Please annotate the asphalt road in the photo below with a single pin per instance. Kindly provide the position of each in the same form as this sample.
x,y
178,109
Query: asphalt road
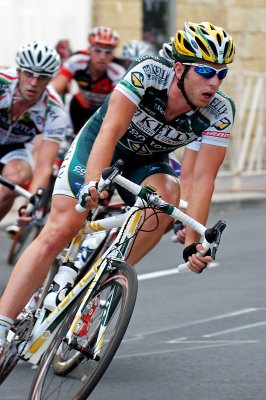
x,y
191,337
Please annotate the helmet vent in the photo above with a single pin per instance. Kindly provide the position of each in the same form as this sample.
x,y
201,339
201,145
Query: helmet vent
x,y
225,34
226,49
188,46
204,31
39,57
30,57
219,39
201,45
214,50
231,52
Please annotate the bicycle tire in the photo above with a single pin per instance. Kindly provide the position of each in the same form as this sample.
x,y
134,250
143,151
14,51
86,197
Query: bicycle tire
x,y
60,370
28,233
23,326
11,354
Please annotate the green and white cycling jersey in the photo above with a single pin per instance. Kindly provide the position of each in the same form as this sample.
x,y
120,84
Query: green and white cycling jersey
x,y
146,144
46,117
146,84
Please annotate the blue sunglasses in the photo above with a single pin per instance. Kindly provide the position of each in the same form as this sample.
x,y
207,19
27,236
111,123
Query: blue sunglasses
x,y
209,72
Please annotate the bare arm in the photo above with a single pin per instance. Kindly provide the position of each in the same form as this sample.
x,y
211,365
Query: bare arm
x,y
198,173
47,152
118,117
61,84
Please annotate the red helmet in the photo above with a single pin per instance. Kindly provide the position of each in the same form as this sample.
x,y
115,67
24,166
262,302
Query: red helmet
x,y
103,36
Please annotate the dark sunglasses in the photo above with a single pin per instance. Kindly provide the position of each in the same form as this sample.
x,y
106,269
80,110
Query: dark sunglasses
x,y
209,72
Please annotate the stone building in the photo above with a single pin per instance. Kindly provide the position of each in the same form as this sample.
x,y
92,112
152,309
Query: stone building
x,y
157,20
243,19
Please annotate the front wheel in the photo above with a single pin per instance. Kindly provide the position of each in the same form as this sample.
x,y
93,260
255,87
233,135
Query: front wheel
x,y
71,371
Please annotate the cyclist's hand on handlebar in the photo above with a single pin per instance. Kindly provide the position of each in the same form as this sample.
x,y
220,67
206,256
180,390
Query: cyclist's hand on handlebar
x,y
180,232
89,196
195,255
23,217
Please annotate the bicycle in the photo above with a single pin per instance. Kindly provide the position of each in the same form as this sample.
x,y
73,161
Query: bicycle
x,y
85,330
37,208
26,234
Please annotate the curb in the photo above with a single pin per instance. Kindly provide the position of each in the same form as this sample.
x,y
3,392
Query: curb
x,y
238,198
219,199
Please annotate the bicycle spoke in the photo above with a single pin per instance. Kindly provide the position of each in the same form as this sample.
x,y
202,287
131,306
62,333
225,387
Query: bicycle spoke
x,y
69,370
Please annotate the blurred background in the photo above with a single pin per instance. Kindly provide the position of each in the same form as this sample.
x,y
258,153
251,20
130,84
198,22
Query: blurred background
x,y
156,21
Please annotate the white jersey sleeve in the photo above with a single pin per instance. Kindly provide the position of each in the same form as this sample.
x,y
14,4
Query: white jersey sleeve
x,y
222,109
146,72
56,120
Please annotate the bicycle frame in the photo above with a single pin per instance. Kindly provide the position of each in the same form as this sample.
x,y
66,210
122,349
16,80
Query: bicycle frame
x,y
16,188
34,199
45,329
44,332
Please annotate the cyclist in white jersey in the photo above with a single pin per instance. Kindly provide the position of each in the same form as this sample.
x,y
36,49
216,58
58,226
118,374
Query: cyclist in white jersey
x,y
29,108
134,49
156,108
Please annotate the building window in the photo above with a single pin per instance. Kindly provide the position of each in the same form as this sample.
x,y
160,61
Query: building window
x,y
155,21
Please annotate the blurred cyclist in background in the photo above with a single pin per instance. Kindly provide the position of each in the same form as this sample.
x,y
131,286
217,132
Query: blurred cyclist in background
x,y
95,73
166,50
63,48
134,49
28,108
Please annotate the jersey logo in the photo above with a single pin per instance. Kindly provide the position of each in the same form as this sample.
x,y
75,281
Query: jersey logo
x,y
138,147
222,125
137,79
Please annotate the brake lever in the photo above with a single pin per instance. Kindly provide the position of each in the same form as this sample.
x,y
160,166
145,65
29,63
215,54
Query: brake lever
x,y
213,235
109,174
35,201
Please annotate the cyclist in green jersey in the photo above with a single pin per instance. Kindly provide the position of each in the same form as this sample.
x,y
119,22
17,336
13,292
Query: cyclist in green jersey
x,y
157,107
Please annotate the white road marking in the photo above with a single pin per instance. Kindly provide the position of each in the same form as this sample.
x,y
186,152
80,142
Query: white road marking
x,y
166,272
210,344
191,323
184,340
236,329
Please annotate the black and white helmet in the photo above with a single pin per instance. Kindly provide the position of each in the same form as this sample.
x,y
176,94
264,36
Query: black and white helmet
x,y
38,57
136,48
166,51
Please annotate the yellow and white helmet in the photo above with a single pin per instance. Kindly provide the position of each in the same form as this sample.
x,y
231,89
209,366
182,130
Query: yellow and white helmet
x,y
203,41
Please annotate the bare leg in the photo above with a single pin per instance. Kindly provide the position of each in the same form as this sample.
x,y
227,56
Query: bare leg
x,y
168,187
18,172
33,266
